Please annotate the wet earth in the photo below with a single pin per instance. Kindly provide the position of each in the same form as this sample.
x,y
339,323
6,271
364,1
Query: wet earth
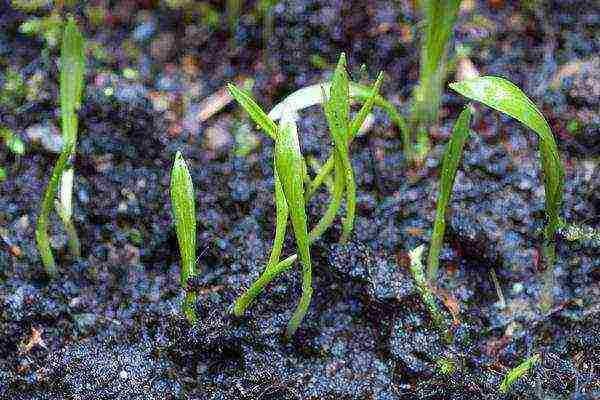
x,y
110,327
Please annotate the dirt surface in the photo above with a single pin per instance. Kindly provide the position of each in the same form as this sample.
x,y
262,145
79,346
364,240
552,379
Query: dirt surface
x,y
110,326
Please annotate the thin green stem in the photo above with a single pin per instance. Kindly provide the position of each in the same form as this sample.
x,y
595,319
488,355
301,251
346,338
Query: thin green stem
x,y
256,288
41,230
450,163
426,293
348,222
320,178
304,300
334,203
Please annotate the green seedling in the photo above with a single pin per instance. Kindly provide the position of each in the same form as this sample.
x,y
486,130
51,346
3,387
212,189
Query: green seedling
x,y
504,96
426,292
440,17
518,372
450,162
3,174
289,163
289,201
337,111
71,87
184,216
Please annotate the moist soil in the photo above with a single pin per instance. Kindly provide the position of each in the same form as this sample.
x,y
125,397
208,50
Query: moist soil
x,y
110,327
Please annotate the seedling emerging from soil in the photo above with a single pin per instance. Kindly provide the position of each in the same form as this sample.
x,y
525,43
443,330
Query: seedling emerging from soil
x,y
342,130
506,97
450,162
518,372
426,292
440,17
184,215
289,164
71,86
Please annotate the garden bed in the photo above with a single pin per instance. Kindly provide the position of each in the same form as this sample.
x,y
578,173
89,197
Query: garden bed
x,y
110,325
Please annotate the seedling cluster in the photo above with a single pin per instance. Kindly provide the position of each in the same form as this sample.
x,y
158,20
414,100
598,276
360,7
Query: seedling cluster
x,y
294,186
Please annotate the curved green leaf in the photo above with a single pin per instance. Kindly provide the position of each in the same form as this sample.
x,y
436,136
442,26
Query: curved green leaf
x,y
504,96
72,70
254,110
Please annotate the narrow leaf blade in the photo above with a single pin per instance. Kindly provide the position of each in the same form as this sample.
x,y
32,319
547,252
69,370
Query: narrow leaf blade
x,y
289,164
72,71
450,163
366,108
184,213
504,96
253,109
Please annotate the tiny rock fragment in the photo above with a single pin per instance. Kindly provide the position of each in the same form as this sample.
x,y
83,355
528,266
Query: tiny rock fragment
x,y
34,340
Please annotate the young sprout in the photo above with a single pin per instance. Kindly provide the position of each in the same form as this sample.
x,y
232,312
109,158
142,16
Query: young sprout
x,y
504,96
426,293
71,86
287,204
289,163
184,216
449,167
518,372
64,209
440,17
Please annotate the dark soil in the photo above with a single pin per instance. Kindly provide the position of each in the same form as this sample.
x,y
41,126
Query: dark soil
x,y
110,326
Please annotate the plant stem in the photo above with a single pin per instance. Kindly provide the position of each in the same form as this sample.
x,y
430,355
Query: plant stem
x,y
426,294
272,266
41,229
450,163
320,178
440,16
334,202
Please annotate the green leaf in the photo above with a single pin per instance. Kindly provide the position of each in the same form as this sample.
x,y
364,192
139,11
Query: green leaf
x,y
440,17
366,108
254,110
184,216
450,163
3,174
337,112
504,96
518,372
71,80
289,163
338,104
312,95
